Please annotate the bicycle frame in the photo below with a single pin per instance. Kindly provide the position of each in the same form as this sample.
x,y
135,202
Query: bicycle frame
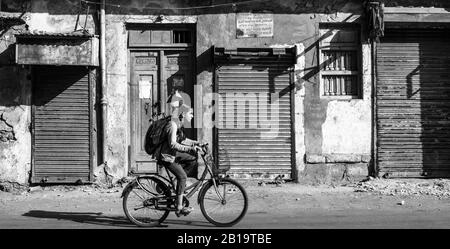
x,y
196,185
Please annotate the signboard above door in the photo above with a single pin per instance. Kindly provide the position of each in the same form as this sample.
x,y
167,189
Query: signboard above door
x,y
250,25
44,48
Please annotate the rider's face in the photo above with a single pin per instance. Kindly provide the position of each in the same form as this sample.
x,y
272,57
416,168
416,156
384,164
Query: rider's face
x,y
189,115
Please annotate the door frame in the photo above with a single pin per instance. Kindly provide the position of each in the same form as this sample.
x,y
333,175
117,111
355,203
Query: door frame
x,y
160,48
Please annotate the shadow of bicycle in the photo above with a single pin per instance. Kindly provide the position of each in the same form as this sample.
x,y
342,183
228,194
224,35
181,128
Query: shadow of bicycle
x,y
81,217
104,220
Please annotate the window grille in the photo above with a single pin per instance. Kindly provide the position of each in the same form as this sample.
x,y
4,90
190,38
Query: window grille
x,y
339,62
181,36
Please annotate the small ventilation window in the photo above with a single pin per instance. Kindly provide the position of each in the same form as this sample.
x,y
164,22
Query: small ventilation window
x,y
340,68
181,36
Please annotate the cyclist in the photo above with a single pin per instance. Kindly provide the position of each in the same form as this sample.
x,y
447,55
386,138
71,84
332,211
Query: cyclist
x,y
178,153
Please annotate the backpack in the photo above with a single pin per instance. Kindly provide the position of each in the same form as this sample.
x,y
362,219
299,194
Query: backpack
x,y
153,137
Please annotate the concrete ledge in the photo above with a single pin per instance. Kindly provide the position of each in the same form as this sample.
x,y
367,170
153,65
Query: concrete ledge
x,y
343,158
326,173
262,175
337,158
313,158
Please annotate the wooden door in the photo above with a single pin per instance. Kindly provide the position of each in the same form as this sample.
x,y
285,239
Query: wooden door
x,y
178,75
154,75
145,103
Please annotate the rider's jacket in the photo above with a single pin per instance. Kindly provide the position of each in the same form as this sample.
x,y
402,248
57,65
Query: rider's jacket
x,y
173,143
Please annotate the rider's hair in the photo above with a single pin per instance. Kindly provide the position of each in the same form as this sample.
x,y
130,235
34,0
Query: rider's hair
x,y
183,110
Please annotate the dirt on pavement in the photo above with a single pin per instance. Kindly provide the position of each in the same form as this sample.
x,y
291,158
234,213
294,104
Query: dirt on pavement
x,y
96,206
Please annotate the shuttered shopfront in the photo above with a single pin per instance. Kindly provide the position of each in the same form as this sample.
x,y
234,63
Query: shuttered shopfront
x,y
254,132
413,103
61,124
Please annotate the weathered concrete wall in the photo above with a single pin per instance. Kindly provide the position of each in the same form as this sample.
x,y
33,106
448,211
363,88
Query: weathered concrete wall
x,y
341,128
15,81
296,26
117,127
15,136
319,122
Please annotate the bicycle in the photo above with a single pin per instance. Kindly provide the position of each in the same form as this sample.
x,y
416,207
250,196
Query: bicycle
x,y
156,193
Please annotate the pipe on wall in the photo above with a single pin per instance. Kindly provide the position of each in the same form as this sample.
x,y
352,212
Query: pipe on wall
x,y
374,109
104,100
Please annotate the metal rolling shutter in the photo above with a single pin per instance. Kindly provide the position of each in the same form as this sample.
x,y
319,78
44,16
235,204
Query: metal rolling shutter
x,y
61,125
413,103
242,148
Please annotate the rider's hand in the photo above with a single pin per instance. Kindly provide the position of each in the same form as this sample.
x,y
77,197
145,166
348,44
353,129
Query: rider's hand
x,y
197,148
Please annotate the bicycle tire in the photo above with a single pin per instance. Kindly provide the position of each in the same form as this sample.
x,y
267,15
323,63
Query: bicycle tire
x,y
208,214
161,189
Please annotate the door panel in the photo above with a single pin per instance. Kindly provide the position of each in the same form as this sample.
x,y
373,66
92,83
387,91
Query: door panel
x,y
144,104
154,76
178,75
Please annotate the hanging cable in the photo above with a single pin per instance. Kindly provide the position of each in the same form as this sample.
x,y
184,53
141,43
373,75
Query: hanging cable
x,y
184,8
78,16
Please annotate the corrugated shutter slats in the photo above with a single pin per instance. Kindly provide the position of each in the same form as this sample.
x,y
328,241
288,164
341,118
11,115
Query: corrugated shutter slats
x,y
413,103
61,129
241,146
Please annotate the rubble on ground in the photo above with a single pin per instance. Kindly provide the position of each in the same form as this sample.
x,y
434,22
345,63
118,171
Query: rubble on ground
x,y
277,181
412,187
95,187
12,187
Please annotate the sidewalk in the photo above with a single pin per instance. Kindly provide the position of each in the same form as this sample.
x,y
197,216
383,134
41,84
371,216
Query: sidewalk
x,y
371,204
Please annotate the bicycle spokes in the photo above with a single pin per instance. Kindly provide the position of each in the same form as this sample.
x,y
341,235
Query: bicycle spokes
x,y
225,203
144,202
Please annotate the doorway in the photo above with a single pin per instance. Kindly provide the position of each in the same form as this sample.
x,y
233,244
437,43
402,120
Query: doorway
x,y
161,64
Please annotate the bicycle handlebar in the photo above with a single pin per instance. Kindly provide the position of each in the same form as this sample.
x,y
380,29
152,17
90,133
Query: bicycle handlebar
x,y
204,147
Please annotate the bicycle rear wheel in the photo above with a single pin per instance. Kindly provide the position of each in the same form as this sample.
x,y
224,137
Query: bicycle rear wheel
x,y
226,206
144,206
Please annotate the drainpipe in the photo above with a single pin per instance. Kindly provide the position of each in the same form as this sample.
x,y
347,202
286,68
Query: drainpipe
x,y
374,109
103,101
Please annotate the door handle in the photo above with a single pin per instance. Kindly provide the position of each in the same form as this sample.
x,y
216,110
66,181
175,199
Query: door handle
x,y
146,106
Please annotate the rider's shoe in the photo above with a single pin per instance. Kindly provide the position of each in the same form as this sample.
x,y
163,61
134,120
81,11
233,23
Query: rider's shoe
x,y
184,211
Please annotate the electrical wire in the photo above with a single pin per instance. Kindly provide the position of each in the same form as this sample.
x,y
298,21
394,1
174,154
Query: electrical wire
x,y
181,8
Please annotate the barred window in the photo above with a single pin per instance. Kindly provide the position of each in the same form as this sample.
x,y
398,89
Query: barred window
x,y
339,58
181,36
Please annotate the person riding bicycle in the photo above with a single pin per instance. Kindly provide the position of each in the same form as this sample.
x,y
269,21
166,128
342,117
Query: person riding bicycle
x,y
178,153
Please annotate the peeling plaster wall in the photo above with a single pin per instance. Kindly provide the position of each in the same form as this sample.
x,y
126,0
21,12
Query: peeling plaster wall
x,y
216,27
295,24
319,123
346,129
117,127
15,81
15,136
341,128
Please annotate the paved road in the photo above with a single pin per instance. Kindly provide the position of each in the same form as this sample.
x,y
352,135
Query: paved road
x,y
290,206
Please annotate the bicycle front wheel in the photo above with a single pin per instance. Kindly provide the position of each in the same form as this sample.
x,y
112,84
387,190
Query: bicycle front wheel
x,y
225,205
145,204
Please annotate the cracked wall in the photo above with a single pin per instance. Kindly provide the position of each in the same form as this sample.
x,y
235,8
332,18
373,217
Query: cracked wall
x,y
15,136
295,23
15,81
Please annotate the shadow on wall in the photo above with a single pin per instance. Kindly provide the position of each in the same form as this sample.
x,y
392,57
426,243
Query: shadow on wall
x,y
46,88
315,106
433,92
414,103
11,87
